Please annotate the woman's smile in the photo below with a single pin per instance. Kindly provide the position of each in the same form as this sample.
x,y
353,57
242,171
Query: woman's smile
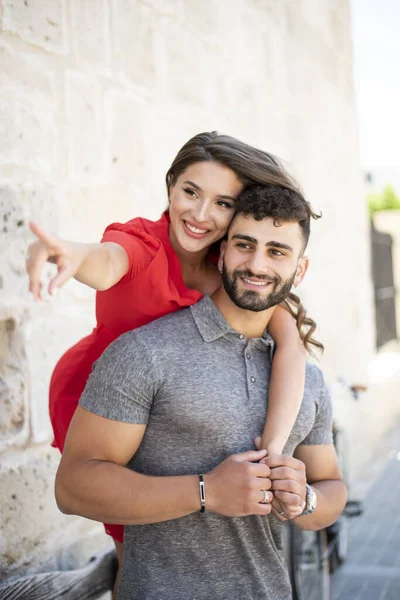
x,y
194,231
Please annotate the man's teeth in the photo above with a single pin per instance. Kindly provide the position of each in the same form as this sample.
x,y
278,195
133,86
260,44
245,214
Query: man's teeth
x,y
194,229
255,282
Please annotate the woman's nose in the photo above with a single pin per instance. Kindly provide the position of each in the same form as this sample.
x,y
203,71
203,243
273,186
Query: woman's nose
x,y
202,211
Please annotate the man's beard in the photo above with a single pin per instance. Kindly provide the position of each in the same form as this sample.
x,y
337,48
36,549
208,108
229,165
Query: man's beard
x,y
252,300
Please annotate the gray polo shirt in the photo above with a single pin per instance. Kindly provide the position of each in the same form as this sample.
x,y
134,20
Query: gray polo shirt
x,y
202,390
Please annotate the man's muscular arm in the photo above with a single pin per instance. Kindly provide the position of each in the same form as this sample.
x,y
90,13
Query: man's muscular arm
x,y
92,480
323,474
317,465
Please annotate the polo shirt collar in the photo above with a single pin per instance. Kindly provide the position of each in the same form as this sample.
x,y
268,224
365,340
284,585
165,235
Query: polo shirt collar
x,y
212,325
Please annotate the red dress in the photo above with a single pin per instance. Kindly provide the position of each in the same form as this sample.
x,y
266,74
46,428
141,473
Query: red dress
x,y
152,287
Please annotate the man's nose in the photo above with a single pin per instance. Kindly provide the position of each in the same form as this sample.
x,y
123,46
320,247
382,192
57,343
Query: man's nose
x,y
257,263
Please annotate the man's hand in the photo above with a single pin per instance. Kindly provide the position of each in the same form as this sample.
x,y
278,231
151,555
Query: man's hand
x,y
235,488
289,495
288,477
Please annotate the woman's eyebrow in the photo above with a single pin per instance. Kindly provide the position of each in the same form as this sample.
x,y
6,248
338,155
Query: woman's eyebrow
x,y
198,188
227,198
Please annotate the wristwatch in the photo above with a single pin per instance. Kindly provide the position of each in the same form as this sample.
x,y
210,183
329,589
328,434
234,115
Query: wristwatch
x,y
311,501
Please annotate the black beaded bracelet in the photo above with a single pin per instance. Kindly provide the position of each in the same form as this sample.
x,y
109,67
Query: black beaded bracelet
x,y
202,493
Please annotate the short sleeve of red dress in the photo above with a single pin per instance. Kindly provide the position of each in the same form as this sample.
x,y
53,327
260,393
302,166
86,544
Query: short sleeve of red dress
x,y
139,253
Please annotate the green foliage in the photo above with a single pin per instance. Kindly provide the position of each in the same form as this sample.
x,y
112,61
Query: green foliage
x,y
374,203
387,200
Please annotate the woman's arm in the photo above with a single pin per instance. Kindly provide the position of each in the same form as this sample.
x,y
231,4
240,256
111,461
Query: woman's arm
x,y
286,387
99,266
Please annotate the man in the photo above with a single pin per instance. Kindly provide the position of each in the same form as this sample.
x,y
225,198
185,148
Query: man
x,y
163,441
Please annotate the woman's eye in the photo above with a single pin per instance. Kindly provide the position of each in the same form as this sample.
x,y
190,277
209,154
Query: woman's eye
x,y
189,192
225,203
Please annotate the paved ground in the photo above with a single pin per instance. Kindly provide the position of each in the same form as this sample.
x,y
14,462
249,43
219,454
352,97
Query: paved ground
x,y
372,570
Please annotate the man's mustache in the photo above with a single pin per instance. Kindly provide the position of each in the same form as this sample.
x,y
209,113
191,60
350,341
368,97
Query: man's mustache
x,y
249,274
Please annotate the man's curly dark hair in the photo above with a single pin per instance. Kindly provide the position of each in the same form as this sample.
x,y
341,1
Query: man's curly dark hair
x,y
281,204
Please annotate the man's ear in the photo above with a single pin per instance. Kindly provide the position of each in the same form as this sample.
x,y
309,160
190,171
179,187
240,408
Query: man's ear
x,y
221,255
302,267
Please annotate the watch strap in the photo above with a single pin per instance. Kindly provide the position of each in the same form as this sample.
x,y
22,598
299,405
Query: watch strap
x,y
311,501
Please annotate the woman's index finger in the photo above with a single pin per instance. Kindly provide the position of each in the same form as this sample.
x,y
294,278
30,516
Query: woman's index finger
x,y
43,236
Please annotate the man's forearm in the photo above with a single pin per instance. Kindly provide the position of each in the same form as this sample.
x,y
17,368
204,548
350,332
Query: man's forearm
x,y
331,500
109,493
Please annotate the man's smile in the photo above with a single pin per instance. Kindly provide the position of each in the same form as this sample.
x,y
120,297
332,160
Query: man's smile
x,y
256,282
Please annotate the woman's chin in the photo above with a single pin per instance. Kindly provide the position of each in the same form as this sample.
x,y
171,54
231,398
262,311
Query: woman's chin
x,y
195,246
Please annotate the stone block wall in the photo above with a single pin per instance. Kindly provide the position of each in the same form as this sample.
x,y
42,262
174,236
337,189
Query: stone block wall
x,y
96,98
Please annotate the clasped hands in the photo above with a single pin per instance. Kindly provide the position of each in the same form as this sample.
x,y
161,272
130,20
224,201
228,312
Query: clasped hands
x,y
252,483
288,485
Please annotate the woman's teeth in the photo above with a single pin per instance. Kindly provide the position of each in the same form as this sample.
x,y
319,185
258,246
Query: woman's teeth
x,y
194,229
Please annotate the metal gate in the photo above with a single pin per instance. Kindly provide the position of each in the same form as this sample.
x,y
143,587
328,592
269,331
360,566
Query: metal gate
x,y
385,292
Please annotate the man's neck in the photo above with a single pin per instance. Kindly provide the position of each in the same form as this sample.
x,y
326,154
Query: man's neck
x,y
252,324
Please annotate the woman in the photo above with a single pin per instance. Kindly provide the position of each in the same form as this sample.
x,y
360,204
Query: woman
x,y
143,270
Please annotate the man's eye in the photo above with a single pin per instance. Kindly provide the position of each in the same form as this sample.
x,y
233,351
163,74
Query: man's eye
x,y
189,192
277,253
243,245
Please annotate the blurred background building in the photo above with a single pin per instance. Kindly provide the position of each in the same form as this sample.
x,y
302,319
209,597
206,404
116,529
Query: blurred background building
x,y
376,52
97,96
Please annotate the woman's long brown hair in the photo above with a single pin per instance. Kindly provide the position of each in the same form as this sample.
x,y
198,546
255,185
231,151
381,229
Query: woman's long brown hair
x,y
305,324
251,165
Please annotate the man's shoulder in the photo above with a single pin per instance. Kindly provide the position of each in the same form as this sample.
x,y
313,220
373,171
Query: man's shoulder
x,y
315,381
170,324
151,347
166,329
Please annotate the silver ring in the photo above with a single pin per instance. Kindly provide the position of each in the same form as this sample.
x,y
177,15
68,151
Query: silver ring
x,y
265,499
28,256
282,513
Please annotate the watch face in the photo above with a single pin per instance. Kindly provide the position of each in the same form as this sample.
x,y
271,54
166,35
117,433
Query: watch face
x,y
311,500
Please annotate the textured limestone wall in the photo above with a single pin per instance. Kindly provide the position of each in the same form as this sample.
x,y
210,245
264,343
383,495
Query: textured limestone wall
x,y
96,98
